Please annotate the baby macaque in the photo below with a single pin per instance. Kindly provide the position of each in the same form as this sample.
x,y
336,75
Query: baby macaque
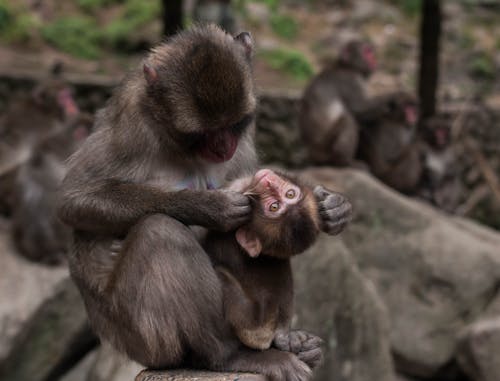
x,y
335,105
253,263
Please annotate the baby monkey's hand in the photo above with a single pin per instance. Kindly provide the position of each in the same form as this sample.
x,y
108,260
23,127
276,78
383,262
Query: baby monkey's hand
x,y
334,209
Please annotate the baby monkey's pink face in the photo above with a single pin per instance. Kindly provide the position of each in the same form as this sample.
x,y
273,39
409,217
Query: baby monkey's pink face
x,y
276,194
285,219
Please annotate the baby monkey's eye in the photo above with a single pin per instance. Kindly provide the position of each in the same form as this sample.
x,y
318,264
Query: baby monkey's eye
x,y
274,206
290,193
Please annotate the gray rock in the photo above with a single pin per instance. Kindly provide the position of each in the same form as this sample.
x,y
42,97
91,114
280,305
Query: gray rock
x,y
434,273
479,349
112,366
52,340
25,287
81,370
336,302
188,375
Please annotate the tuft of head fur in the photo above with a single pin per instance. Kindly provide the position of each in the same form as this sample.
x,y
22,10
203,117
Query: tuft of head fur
x,y
353,56
204,80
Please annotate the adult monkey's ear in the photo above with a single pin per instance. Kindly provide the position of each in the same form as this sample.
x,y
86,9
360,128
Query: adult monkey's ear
x,y
249,241
150,73
245,39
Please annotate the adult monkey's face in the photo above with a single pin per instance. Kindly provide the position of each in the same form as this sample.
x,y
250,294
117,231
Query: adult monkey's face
x,y
200,88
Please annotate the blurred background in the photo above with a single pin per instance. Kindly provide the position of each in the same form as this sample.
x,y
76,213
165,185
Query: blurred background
x,y
409,292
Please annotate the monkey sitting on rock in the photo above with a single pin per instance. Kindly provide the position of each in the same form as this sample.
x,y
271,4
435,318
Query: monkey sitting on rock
x,y
39,132
390,145
253,263
335,104
178,128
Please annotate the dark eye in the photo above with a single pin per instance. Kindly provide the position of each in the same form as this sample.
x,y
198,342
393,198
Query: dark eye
x,y
274,207
239,127
290,193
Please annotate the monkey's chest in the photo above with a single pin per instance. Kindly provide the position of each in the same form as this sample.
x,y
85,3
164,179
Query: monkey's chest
x,y
180,180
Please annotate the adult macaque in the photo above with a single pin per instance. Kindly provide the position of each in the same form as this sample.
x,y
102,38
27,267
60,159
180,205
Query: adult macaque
x,y
38,233
335,103
254,263
441,182
30,119
390,146
174,130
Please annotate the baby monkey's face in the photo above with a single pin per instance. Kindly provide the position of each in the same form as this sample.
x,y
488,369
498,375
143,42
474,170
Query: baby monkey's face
x,y
285,218
275,194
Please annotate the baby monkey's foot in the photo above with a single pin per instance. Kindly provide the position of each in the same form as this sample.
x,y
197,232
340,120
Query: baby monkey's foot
x,y
306,346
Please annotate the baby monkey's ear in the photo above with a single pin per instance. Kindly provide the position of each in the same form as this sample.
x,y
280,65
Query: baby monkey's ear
x,y
249,241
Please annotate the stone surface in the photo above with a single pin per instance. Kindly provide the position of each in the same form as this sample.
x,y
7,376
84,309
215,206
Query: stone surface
x,y
434,273
188,375
24,287
80,372
54,338
278,136
112,366
336,302
479,350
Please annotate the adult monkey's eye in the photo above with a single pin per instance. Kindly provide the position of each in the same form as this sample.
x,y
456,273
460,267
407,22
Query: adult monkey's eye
x,y
274,206
290,193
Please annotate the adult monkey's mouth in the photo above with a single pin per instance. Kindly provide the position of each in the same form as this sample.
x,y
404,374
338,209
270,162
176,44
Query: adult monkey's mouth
x,y
220,146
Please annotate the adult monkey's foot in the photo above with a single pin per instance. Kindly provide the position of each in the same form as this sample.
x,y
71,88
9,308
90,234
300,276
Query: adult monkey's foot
x,y
274,364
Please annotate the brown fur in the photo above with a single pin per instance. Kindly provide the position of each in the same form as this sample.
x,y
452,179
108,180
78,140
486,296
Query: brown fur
x,y
258,292
335,103
391,148
139,181
38,233
38,135
28,119
149,287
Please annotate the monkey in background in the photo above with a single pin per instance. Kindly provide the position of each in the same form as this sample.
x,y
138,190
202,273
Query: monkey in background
x,y
174,132
38,233
335,103
390,145
39,132
253,263
28,120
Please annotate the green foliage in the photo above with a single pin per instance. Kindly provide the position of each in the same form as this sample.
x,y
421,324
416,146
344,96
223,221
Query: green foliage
x,y
136,14
5,17
290,61
409,7
78,36
466,39
482,66
271,4
81,36
93,5
284,26
16,25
